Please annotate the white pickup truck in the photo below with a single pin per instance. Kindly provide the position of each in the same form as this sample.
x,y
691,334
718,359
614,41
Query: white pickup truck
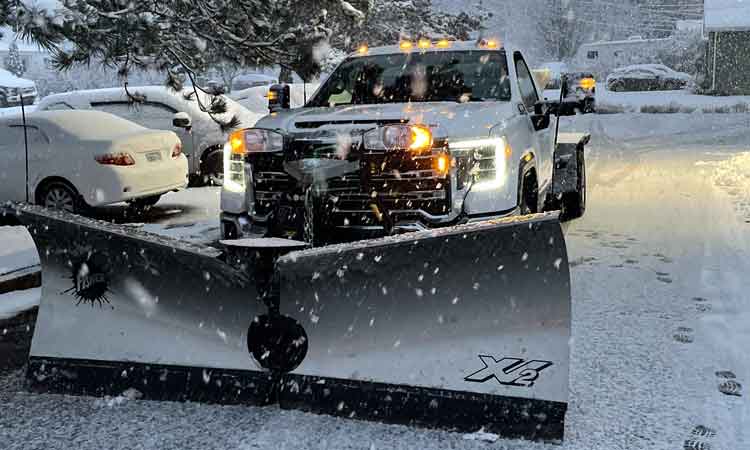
x,y
413,136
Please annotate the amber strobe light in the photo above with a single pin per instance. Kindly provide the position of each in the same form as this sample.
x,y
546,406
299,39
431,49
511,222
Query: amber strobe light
x,y
421,138
587,83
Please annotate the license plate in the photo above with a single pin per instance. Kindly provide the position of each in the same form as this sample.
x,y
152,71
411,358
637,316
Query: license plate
x,y
153,156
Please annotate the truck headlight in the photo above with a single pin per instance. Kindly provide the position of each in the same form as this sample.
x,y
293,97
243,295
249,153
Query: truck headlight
x,y
490,156
416,138
241,143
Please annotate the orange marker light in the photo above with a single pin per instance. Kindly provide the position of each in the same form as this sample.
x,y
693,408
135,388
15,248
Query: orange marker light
x,y
442,164
492,44
421,138
272,95
443,43
363,49
424,43
237,142
405,45
587,83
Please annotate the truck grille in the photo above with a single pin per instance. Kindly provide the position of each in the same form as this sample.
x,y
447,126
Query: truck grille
x,y
404,186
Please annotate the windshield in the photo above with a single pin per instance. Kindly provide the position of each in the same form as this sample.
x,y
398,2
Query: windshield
x,y
417,77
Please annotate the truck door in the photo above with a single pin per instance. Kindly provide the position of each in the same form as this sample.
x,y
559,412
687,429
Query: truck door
x,y
542,140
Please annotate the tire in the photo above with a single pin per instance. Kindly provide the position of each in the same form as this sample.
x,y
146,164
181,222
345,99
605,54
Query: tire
x,y
212,167
528,196
574,203
60,195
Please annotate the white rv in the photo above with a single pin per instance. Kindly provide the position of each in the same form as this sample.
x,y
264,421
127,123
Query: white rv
x,y
603,57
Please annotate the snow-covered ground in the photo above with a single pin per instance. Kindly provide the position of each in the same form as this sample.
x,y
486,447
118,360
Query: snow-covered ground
x,y
678,101
659,268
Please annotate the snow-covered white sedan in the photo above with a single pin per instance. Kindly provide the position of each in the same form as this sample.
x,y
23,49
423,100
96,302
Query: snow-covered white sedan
x,y
163,109
77,159
647,77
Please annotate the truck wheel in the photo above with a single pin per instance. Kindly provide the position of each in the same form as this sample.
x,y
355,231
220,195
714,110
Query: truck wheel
x,y
528,197
574,203
212,167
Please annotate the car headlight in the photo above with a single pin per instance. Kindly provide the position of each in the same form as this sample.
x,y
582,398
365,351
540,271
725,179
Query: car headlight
x,y
490,159
416,138
241,143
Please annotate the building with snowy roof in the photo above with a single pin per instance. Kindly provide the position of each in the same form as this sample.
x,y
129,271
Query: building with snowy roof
x,y
727,25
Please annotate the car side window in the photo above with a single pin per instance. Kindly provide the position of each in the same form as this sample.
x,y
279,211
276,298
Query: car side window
x,y
150,115
525,83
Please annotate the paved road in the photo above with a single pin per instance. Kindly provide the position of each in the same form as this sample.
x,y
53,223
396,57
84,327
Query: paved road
x,y
660,320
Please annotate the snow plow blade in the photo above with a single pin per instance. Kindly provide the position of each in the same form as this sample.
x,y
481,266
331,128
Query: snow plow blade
x,y
459,328
121,309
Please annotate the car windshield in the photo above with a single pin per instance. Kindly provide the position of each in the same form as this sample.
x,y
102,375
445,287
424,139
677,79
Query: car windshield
x,y
417,77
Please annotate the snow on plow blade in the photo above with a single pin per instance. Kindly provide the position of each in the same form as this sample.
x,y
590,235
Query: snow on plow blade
x,y
458,328
121,309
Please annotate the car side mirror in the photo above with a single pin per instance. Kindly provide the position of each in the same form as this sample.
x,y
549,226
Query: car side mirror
x,y
182,120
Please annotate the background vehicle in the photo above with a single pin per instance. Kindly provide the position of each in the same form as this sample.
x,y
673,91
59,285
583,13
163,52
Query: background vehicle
x,y
12,88
581,93
201,136
398,139
647,77
249,80
87,158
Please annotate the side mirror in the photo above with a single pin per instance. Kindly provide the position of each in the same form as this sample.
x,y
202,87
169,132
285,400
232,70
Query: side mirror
x,y
278,97
541,117
182,120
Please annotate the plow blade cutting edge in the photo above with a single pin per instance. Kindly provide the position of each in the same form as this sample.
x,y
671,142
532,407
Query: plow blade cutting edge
x,y
457,328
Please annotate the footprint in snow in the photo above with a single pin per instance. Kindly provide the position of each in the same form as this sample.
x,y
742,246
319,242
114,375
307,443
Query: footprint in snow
x,y
664,279
703,432
631,261
684,335
703,307
728,374
731,387
692,444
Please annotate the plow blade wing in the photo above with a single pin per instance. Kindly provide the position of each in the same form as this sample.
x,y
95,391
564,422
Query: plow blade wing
x,y
122,309
457,328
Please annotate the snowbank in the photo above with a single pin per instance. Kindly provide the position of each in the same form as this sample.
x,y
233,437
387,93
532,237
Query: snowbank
x,y
680,101
17,250
13,303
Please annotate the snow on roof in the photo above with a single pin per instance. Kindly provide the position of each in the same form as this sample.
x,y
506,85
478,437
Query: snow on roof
x,y
78,123
726,15
7,79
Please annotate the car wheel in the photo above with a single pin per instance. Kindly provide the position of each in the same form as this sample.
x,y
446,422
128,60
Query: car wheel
x,y
574,203
212,167
61,196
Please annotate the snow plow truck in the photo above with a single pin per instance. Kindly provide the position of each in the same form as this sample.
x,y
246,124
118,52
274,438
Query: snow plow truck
x,y
402,138
448,306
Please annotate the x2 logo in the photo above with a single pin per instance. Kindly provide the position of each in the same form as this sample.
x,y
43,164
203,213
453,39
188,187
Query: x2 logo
x,y
509,371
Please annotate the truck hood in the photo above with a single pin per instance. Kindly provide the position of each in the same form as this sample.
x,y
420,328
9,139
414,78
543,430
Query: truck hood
x,y
457,120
